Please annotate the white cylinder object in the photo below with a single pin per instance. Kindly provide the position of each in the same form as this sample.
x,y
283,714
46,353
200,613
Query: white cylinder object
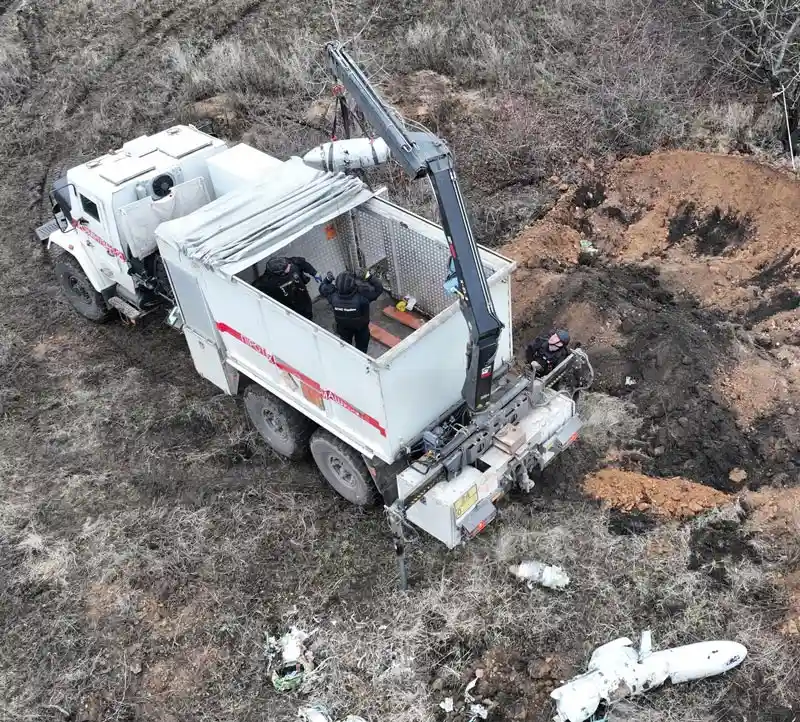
x,y
343,155
539,573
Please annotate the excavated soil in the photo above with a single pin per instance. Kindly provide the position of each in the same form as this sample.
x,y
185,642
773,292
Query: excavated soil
x,y
774,512
724,228
680,274
669,498
512,685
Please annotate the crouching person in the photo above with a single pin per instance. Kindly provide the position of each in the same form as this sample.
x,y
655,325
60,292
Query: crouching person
x,y
350,298
548,351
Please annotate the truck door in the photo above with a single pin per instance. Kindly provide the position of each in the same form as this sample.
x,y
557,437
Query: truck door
x,y
91,221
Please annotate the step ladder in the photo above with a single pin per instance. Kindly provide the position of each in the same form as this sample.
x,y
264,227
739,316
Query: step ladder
x,y
126,310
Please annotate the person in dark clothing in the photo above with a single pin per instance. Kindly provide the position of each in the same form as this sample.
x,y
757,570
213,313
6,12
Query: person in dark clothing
x,y
350,298
285,280
548,351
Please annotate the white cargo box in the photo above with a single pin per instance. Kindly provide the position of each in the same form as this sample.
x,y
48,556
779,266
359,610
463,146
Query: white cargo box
x,y
239,166
376,402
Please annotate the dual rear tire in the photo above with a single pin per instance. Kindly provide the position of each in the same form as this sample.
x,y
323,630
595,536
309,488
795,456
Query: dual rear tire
x,y
292,435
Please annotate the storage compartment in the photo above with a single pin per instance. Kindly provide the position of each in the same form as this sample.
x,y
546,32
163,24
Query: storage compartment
x,y
379,402
407,253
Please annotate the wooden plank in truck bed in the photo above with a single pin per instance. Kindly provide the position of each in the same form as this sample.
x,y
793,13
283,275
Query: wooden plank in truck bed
x,y
407,319
383,336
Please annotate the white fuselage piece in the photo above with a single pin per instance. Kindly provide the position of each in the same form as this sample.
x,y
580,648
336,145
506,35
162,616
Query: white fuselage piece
x,y
616,671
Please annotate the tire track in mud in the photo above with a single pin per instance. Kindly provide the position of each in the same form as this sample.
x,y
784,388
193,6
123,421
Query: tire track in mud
x,y
157,29
153,33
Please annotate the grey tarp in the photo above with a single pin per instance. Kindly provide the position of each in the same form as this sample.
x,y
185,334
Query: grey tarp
x,y
240,228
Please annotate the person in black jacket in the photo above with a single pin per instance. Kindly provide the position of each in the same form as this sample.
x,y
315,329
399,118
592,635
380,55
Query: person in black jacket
x,y
350,298
285,280
548,351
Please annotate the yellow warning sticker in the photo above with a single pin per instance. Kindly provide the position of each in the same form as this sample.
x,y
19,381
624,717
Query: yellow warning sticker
x,y
465,502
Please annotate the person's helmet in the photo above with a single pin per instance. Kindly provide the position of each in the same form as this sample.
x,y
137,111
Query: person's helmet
x,y
558,339
345,284
278,265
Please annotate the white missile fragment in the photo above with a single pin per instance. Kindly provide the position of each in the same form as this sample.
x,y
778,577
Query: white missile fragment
x,y
539,573
316,713
617,670
350,154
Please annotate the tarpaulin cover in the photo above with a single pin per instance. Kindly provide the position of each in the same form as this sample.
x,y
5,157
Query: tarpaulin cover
x,y
244,226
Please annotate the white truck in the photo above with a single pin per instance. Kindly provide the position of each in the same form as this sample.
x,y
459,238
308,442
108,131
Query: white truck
x,y
181,219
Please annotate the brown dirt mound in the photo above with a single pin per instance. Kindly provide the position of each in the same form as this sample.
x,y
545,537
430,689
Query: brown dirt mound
x,y
792,585
723,227
670,498
754,388
775,512
688,310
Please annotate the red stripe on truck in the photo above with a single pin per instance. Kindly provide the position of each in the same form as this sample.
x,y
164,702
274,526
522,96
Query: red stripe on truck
x,y
326,393
109,248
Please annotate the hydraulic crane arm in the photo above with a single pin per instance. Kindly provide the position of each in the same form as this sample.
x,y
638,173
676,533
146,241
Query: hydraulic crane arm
x,y
425,154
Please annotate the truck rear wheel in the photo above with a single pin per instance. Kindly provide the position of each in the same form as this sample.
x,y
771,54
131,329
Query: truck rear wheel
x,y
79,291
283,427
343,468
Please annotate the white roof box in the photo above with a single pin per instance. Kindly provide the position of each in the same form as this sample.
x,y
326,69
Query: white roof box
x,y
240,166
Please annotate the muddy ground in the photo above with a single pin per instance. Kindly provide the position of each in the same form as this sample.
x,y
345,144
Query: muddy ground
x,y
148,540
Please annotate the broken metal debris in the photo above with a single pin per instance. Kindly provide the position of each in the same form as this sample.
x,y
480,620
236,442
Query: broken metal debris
x,y
616,670
289,659
478,711
316,713
534,572
447,704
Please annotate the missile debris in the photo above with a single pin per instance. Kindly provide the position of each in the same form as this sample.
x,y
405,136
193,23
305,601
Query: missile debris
x,y
289,659
534,572
616,670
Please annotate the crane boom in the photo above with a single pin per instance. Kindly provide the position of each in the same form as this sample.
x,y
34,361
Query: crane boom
x,y
425,154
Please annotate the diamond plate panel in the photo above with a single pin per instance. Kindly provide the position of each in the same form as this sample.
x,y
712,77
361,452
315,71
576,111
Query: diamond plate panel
x,y
416,265
410,263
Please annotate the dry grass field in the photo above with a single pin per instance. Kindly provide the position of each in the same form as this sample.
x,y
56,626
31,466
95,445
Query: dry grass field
x,y
149,540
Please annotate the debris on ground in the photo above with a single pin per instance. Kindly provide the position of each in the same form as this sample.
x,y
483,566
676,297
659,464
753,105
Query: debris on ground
x,y
478,711
737,476
670,498
510,685
447,704
616,670
468,689
289,659
316,713
535,572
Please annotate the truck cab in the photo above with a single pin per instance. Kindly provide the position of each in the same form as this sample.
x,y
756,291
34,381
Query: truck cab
x,y
105,213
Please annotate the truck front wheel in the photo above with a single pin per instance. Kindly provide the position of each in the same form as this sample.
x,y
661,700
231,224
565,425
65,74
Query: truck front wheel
x,y
79,291
343,468
282,426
